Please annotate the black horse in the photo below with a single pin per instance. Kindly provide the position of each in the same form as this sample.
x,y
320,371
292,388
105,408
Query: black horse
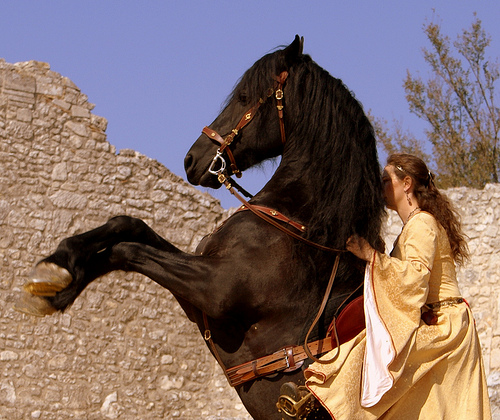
x,y
253,289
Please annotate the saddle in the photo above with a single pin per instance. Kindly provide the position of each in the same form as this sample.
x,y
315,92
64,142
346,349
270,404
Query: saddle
x,y
349,323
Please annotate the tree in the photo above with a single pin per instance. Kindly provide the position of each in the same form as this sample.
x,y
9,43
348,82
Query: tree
x,y
459,104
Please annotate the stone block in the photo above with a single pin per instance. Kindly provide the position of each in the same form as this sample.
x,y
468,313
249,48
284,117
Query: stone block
x,y
61,104
24,115
60,172
79,112
77,128
49,89
69,200
16,81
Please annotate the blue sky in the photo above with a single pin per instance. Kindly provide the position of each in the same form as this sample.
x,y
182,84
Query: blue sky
x,y
159,71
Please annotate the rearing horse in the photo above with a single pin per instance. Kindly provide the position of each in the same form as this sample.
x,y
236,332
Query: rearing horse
x,y
252,289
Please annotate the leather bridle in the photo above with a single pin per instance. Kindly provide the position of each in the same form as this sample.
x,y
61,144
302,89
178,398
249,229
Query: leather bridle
x,y
244,121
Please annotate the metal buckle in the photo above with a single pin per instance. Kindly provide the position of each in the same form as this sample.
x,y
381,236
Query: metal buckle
x,y
217,157
286,358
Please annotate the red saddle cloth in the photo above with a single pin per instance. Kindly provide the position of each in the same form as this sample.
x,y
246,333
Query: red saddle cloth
x,y
349,323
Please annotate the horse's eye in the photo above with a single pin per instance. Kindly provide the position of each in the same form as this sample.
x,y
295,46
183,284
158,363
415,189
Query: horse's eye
x,y
242,97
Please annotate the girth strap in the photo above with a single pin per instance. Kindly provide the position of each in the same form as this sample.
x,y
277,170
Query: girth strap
x,y
287,359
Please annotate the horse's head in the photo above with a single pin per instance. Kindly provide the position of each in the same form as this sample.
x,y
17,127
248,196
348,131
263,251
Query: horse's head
x,y
250,129
329,174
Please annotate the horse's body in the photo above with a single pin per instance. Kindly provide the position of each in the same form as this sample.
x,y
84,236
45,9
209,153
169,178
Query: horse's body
x,y
259,288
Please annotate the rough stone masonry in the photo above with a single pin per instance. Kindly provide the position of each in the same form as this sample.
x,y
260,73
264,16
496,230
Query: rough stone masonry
x,y
125,350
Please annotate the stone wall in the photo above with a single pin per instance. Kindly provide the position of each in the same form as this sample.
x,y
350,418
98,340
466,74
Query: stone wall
x,y
125,349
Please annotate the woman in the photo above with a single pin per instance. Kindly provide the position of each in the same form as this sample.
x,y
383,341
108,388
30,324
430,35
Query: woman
x,y
419,356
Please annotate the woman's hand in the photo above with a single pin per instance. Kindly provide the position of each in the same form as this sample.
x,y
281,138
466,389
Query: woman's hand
x,y
360,247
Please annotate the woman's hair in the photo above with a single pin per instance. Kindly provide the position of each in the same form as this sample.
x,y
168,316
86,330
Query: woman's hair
x,y
432,201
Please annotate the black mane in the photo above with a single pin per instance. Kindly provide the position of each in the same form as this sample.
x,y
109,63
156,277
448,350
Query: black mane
x,y
341,135
325,123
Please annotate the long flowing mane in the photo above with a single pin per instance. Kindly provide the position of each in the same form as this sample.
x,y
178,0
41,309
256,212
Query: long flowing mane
x,y
349,175
327,125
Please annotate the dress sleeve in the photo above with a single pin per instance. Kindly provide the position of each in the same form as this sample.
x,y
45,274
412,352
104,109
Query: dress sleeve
x,y
396,288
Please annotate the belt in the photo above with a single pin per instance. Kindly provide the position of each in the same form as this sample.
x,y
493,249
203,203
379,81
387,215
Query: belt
x,y
445,302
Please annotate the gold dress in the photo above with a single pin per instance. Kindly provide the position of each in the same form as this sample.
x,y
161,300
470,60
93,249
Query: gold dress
x,y
399,367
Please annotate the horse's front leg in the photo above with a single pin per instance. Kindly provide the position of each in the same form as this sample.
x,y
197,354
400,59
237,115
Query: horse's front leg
x,y
204,282
58,279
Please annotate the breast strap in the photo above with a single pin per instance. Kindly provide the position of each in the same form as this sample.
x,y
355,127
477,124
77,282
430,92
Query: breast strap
x,y
276,215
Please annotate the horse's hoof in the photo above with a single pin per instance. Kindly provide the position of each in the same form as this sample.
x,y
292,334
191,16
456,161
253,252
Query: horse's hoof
x,y
47,279
34,305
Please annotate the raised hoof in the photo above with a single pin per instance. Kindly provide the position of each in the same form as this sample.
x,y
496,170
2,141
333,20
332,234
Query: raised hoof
x,y
47,279
34,305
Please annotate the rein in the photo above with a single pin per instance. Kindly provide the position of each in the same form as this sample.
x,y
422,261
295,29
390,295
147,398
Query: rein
x,y
257,210
289,358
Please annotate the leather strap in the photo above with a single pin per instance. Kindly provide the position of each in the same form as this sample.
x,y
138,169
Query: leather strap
x,y
286,359
269,220
275,214
279,103
320,312
208,338
224,143
230,137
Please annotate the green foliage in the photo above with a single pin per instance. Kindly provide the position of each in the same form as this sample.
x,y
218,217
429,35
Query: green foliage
x,y
458,103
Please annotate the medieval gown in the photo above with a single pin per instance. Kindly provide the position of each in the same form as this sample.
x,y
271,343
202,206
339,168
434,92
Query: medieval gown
x,y
399,367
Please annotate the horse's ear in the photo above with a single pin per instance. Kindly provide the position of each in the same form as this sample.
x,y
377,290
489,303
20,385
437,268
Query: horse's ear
x,y
294,50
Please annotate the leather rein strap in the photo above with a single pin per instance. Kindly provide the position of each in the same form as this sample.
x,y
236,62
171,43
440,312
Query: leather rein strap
x,y
275,215
256,210
292,357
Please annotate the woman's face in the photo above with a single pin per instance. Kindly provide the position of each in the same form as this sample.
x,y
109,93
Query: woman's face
x,y
394,192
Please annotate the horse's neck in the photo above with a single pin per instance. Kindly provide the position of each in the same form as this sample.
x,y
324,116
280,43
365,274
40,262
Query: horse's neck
x,y
290,190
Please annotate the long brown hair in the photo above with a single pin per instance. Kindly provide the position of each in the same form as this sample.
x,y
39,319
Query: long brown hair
x,y
431,200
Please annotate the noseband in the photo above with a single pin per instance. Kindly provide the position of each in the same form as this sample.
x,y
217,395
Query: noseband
x,y
218,160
